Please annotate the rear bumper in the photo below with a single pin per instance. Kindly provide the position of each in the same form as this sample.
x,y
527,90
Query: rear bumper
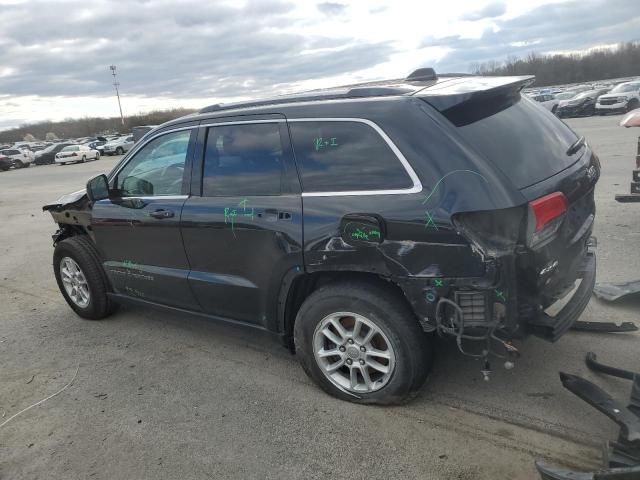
x,y
553,327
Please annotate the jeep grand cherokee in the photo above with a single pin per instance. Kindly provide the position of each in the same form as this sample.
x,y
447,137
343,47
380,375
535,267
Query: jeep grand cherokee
x,y
353,223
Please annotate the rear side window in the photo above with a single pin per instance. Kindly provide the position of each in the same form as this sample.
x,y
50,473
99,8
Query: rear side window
x,y
526,142
243,160
345,156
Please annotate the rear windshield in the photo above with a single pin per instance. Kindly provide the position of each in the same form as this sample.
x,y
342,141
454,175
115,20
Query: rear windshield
x,y
524,140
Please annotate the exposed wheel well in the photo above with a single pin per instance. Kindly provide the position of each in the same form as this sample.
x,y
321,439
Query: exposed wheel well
x,y
66,231
306,284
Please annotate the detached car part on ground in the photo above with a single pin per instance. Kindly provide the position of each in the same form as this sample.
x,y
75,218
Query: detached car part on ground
x,y
622,456
352,223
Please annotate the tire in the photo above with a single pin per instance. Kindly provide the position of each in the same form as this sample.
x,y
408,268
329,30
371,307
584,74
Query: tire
x,y
119,151
62,164
81,251
84,159
633,104
4,169
408,350
554,109
19,164
97,156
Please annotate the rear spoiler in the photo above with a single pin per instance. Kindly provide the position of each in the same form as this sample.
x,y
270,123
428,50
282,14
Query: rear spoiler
x,y
463,99
445,95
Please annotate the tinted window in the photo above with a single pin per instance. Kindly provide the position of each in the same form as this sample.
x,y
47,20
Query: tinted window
x,y
345,156
527,143
243,160
157,168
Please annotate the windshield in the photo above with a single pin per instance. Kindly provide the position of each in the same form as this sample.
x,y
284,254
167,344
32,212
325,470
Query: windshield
x,y
565,95
626,87
70,149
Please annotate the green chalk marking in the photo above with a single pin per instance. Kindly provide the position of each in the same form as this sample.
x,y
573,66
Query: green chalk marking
x,y
439,283
500,295
429,221
320,142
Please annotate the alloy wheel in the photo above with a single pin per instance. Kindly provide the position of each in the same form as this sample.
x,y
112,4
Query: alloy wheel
x,y
353,352
75,282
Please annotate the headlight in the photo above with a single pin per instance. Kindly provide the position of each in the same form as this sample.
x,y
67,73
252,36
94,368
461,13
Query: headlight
x,y
622,99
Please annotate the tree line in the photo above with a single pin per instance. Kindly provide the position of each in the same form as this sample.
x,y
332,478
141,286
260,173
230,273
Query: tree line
x,y
597,64
88,126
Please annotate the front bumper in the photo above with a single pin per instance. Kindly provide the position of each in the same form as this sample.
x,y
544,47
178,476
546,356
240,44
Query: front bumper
x,y
572,110
553,327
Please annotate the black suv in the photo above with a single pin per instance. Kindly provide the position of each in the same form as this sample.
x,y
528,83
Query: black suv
x,y
353,223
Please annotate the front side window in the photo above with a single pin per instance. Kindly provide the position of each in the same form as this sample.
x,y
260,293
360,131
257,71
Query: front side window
x,y
345,156
157,168
243,160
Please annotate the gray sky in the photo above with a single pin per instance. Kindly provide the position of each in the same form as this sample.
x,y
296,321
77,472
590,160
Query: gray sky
x,y
54,55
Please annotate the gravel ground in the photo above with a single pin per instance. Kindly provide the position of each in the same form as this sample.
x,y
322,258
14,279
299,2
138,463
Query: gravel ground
x,y
162,395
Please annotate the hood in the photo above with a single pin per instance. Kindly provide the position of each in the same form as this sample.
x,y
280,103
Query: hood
x,y
66,200
616,95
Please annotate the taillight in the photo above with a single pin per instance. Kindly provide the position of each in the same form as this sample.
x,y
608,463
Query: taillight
x,y
545,217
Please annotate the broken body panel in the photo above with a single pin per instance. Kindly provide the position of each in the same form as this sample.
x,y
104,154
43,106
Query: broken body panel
x,y
457,248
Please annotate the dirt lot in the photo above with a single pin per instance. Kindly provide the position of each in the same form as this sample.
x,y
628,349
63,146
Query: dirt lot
x,y
162,395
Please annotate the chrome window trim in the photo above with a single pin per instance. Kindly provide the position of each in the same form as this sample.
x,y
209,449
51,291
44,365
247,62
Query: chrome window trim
x,y
159,197
416,188
417,185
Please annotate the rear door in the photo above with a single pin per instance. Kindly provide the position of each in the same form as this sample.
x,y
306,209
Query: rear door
x,y
243,231
137,230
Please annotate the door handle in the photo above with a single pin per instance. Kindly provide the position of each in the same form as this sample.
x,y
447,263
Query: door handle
x,y
162,214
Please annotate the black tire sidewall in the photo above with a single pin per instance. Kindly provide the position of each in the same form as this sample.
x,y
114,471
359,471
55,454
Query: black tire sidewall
x,y
410,344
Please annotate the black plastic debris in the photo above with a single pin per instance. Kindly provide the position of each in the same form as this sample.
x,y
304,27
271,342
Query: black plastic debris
x,y
615,291
622,455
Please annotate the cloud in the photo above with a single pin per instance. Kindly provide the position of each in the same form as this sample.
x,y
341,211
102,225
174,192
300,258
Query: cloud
x,y
492,10
331,8
185,49
572,25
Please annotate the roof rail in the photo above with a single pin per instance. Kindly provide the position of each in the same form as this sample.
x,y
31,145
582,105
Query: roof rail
x,y
422,74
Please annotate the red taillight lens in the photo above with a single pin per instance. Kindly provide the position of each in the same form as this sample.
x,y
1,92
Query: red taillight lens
x,y
548,208
545,217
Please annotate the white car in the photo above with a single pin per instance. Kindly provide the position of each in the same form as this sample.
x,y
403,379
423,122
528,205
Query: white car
x,y
622,98
76,153
118,146
21,157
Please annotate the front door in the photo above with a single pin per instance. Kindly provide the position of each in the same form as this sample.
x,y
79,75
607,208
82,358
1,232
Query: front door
x,y
243,233
137,230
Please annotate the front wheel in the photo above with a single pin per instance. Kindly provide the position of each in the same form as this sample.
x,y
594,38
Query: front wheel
x,y
81,278
362,343
19,164
633,104
119,151
97,156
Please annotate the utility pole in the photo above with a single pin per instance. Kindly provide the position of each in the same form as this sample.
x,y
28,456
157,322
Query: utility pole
x,y
116,84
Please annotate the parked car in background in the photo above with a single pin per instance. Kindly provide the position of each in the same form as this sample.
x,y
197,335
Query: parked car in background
x,y
548,101
98,144
21,158
5,163
622,98
119,146
76,154
582,105
48,155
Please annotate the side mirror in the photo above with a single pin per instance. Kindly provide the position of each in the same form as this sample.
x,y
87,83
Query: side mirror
x,y
98,188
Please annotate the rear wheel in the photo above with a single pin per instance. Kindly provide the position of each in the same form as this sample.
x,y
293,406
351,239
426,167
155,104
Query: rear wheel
x,y
62,163
19,164
97,155
119,151
81,278
84,158
362,343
